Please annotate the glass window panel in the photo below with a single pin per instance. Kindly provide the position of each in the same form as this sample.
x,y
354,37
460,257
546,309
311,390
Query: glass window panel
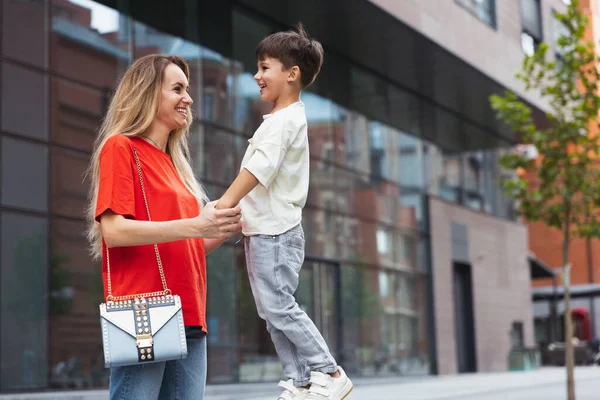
x,y
474,180
367,242
24,101
369,93
76,289
217,100
372,349
351,317
213,154
247,33
483,9
89,42
76,113
324,121
385,242
24,303
26,42
24,174
506,206
424,255
352,193
381,149
221,314
404,324
396,341
196,145
208,107
376,200
321,240
405,292
69,191
410,161
322,185
450,135
356,130
348,234
406,250
410,212
531,18
445,173
305,296
249,108
473,171
404,110
418,357
214,192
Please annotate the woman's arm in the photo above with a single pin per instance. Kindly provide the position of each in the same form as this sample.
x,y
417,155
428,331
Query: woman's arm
x,y
119,231
211,245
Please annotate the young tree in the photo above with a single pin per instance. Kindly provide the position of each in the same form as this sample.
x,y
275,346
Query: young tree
x,y
561,187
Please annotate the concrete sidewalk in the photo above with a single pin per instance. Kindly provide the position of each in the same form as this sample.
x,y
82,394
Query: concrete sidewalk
x,y
542,384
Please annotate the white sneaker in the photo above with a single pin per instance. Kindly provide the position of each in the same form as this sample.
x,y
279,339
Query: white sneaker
x,y
291,392
324,387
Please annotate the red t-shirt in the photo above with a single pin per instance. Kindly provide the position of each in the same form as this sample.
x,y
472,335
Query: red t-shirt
x,y
134,269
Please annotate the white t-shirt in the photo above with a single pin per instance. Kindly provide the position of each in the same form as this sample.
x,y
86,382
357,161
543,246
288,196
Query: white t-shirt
x,y
279,158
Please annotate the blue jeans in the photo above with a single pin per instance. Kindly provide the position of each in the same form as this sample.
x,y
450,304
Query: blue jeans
x,y
274,264
170,380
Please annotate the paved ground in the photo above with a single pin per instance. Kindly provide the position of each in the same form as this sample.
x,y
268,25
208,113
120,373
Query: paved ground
x,y
543,384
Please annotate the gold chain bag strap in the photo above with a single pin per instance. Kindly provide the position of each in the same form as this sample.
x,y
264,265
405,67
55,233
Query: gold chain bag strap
x,y
145,327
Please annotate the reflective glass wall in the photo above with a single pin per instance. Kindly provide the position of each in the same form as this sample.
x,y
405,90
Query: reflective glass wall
x,y
375,156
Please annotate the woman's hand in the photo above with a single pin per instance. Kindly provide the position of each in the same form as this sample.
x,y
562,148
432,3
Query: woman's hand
x,y
218,224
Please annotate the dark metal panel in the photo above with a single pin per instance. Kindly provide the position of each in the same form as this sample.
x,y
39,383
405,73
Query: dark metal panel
x,y
367,36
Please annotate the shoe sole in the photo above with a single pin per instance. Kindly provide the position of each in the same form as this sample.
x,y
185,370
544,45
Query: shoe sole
x,y
349,390
348,394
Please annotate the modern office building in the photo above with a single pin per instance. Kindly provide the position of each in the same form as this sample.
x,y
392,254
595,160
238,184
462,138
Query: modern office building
x,y
415,261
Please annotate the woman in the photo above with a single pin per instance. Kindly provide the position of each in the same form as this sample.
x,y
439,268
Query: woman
x,y
150,112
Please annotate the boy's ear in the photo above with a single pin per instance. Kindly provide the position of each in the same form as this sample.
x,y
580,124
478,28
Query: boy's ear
x,y
294,74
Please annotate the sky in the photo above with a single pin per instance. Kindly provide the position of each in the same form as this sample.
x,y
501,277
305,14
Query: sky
x,y
104,19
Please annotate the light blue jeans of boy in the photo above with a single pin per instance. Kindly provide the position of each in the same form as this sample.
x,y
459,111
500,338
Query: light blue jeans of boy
x,y
274,264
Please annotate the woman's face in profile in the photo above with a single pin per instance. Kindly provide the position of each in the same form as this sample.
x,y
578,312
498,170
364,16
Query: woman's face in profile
x,y
175,99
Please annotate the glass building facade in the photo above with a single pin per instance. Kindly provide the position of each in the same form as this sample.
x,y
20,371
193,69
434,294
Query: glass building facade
x,y
380,144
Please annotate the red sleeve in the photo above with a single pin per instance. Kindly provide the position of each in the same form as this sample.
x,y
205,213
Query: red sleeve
x,y
116,189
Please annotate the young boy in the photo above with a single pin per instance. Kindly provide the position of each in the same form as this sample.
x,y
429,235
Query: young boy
x,y
271,189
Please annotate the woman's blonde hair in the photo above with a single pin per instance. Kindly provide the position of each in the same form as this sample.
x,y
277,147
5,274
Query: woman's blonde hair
x,y
131,111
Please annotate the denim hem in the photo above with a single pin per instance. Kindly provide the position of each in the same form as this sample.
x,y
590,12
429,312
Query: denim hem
x,y
327,370
302,383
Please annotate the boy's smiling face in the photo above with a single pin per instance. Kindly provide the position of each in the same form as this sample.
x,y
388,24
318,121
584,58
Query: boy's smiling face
x,y
272,78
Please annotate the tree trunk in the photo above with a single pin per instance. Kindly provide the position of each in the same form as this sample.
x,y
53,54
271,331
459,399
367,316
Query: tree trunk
x,y
569,354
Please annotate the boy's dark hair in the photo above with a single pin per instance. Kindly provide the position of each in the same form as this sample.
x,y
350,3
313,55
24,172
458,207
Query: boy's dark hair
x,y
294,48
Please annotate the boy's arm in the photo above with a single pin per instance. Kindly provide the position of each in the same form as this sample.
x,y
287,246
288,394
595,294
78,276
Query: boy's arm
x,y
241,186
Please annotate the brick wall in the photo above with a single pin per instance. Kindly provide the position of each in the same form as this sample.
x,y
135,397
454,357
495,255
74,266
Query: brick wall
x,y
497,252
